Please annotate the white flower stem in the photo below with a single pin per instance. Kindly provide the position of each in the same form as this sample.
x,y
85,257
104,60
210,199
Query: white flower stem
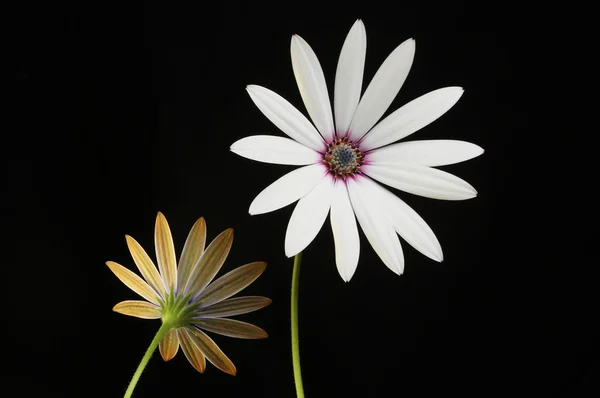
x,y
294,313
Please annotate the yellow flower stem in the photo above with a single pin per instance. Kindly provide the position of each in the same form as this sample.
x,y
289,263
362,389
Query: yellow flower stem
x,y
164,328
295,345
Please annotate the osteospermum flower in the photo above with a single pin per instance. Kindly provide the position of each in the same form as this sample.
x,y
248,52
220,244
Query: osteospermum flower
x,y
343,161
185,297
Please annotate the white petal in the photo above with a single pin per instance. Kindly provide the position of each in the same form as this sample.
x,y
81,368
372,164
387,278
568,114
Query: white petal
x,y
312,86
421,180
426,152
412,117
288,189
411,227
283,115
278,150
345,232
383,89
308,217
349,77
375,224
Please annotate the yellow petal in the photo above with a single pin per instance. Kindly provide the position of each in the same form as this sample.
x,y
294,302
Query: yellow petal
x,y
165,252
210,262
139,309
192,250
233,306
231,328
191,352
212,352
231,283
145,265
133,282
169,345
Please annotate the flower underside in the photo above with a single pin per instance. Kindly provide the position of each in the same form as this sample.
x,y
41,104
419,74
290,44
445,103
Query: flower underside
x,y
187,298
177,309
343,157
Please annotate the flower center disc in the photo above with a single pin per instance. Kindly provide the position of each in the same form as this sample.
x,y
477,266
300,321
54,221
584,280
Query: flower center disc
x,y
343,157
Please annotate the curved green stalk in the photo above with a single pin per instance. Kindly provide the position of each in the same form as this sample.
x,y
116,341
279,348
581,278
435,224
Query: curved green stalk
x,y
164,328
295,345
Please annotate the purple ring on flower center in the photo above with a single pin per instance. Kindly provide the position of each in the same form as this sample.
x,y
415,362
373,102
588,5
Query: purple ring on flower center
x,y
343,157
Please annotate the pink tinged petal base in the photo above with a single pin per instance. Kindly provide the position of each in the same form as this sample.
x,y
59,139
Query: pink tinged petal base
x,y
288,189
426,153
373,220
383,89
412,117
409,225
277,150
349,77
421,180
312,85
308,217
287,118
345,232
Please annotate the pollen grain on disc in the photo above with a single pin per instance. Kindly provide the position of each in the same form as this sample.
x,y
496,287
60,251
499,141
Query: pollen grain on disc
x,y
343,157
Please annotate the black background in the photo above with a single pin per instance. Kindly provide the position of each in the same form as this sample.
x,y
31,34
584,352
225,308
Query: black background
x,y
126,111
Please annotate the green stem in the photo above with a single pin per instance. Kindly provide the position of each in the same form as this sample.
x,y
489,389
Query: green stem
x,y
295,345
165,327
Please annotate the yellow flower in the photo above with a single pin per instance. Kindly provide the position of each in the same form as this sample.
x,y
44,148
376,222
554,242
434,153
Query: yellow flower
x,y
182,295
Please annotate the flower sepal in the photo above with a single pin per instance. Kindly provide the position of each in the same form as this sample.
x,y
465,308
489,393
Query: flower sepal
x,y
176,310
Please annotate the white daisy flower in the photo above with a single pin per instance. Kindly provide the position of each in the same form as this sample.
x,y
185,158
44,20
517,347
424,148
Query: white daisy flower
x,y
343,162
